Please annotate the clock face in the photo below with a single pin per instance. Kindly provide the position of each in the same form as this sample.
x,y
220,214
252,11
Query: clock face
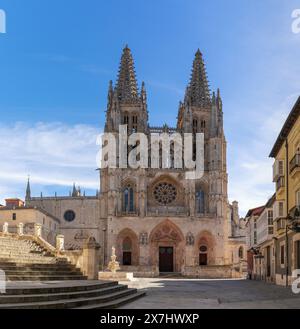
x,y
69,216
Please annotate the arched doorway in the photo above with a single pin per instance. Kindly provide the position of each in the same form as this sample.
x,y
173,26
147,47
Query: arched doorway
x,y
167,247
203,255
127,250
205,249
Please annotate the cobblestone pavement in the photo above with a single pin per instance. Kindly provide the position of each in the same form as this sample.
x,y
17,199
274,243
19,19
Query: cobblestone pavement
x,y
164,293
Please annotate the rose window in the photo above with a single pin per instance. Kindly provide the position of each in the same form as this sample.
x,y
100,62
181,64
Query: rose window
x,y
165,193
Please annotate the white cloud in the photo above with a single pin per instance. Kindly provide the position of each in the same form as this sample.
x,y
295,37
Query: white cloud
x,y
53,154
250,168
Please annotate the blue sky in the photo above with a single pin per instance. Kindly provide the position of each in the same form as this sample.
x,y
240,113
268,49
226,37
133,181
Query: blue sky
x,y
57,58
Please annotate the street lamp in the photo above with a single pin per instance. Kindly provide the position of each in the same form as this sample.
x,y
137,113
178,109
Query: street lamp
x,y
103,256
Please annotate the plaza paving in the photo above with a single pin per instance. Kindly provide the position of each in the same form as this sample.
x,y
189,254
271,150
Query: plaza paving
x,y
167,293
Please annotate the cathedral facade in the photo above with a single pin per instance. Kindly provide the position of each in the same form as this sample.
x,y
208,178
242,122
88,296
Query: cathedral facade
x,y
158,220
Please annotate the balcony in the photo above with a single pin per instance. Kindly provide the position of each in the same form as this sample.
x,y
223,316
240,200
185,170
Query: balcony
x,y
280,183
295,164
280,224
278,170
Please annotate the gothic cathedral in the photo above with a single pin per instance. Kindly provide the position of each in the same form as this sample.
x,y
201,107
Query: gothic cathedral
x,y
157,220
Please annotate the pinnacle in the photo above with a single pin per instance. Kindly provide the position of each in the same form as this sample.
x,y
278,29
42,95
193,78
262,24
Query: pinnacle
x,y
198,89
127,89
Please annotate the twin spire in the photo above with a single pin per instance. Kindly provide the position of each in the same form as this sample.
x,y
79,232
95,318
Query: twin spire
x,y
197,94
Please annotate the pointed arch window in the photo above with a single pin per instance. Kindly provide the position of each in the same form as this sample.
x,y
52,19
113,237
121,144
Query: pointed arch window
x,y
195,125
127,251
203,125
125,119
200,202
128,199
134,123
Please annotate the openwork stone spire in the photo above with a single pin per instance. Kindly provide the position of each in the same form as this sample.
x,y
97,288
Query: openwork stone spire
x,y
198,91
28,190
126,88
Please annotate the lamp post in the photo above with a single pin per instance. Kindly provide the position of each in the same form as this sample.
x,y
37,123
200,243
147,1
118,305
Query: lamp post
x,y
103,256
295,227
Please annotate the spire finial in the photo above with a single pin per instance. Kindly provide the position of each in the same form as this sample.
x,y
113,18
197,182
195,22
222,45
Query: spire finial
x,y
28,189
198,91
127,90
74,191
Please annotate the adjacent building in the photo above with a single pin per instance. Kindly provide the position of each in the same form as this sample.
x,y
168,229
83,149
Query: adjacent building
x,y
286,176
273,231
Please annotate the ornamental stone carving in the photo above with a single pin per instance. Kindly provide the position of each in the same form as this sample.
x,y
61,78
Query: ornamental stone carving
x,y
190,240
144,239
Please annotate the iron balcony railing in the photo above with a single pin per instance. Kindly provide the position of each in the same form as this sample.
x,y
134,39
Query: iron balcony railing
x,y
295,162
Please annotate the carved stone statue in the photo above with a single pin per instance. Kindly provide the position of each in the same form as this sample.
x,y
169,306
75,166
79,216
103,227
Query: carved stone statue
x,y
113,265
144,238
190,240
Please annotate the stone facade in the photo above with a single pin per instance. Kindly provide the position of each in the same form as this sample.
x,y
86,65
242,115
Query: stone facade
x,y
149,213
157,220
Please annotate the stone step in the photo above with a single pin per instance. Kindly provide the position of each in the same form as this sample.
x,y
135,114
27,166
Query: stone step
x,y
75,302
66,287
42,267
23,255
22,299
19,247
53,277
34,262
56,269
115,303
28,272
28,257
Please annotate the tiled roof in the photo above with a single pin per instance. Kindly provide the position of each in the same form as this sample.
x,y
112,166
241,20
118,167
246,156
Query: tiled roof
x,y
255,211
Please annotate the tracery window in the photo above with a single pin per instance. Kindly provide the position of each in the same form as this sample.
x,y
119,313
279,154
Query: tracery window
x,y
134,123
200,202
165,193
128,202
195,125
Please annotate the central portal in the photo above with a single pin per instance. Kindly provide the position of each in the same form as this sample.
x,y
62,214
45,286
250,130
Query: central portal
x,y
166,259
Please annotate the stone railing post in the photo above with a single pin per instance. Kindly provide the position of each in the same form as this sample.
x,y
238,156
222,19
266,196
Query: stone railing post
x,y
60,242
20,229
38,230
91,258
5,228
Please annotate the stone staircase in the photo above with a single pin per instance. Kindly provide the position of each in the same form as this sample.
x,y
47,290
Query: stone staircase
x,y
36,279
26,260
70,295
